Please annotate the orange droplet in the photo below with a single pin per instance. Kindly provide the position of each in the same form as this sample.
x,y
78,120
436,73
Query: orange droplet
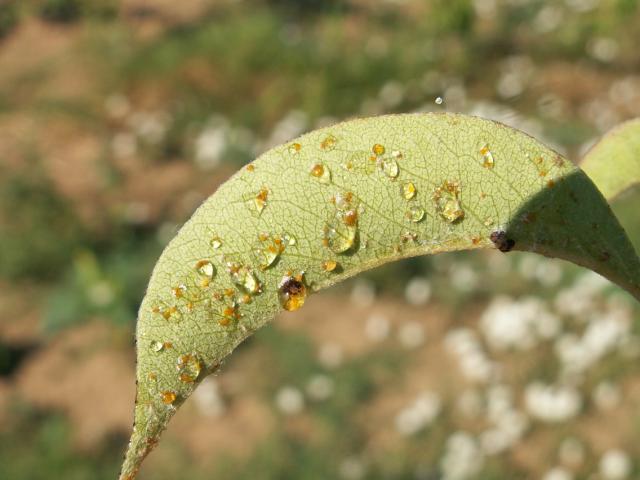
x,y
168,397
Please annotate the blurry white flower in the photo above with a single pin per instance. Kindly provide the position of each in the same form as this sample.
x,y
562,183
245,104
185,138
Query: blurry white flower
x,y
470,403
615,465
418,291
462,458
377,327
320,387
558,473
208,398
363,293
603,49
391,94
150,126
548,19
330,355
606,396
474,363
463,277
210,146
411,334
508,323
289,400
292,125
571,452
117,105
124,145
352,468
552,403
420,414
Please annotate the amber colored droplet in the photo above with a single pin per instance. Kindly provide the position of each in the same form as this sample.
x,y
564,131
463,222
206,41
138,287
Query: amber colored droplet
x,y
179,291
295,148
169,311
350,217
245,298
551,183
189,367
329,265
250,167
488,157
168,397
322,173
543,173
215,242
292,292
152,376
167,345
205,268
329,142
155,309
475,240
378,149
260,201
408,190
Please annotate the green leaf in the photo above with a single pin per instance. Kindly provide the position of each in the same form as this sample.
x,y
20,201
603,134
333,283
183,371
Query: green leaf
x,y
341,200
614,162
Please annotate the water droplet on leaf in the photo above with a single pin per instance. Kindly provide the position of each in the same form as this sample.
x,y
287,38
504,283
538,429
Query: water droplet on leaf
x,y
378,149
415,213
157,346
321,173
329,142
269,251
447,201
189,367
205,268
294,148
408,190
488,157
215,242
168,397
260,201
389,167
329,265
243,277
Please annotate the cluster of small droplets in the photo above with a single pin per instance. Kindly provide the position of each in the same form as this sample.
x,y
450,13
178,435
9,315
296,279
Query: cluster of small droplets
x,y
447,201
487,155
292,291
340,232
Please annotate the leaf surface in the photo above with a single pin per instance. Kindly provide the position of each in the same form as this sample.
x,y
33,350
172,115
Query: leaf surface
x,y
341,200
614,162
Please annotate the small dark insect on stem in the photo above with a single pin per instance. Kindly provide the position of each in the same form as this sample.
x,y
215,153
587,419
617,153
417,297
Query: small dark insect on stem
x,y
500,240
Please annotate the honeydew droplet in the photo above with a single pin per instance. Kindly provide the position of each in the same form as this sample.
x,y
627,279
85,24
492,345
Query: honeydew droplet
x,y
328,143
390,167
157,346
269,251
321,173
216,242
415,213
292,292
168,397
488,157
260,200
291,240
378,149
329,265
205,268
408,190
452,211
338,236
229,314
189,368
294,148
244,277
179,291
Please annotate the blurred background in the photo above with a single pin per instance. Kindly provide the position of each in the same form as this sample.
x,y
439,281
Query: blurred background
x,y
117,118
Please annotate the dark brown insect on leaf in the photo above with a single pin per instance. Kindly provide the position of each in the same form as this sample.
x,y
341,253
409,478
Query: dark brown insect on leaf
x,y
500,240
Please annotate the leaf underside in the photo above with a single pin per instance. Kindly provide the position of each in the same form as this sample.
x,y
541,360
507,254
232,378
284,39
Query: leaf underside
x,y
341,200
614,162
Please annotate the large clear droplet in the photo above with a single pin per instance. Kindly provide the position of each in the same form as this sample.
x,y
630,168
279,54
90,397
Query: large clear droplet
x,y
389,167
415,213
244,277
408,190
269,251
452,211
